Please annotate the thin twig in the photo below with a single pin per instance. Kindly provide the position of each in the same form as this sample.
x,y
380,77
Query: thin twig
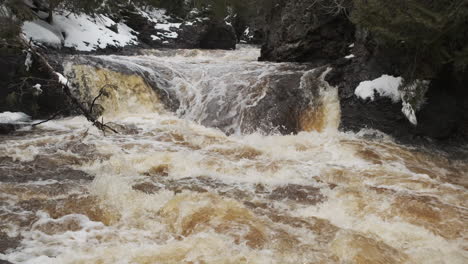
x,y
49,119
101,92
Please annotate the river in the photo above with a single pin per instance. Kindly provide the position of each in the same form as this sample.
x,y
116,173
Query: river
x,y
205,169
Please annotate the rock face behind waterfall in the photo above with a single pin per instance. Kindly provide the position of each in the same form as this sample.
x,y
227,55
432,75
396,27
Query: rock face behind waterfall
x,y
316,32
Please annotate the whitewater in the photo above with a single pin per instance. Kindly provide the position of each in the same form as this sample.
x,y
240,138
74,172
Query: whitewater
x,y
203,171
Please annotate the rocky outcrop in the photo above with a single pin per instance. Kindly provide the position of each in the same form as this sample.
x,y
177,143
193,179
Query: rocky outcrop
x,y
197,31
300,31
24,87
219,36
442,116
303,31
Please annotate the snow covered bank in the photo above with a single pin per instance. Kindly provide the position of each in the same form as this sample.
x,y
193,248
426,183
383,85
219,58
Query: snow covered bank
x,y
148,27
82,32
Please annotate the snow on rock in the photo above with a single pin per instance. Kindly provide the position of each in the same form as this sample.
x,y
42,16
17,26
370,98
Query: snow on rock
x,y
389,86
350,56
168,26
43,32
28,61
386,86
14,117
37,89
86,33
82,32
247,35
62,80
155,15
169,30
161,20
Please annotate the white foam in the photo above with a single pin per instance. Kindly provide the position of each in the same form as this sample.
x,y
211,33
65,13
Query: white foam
x,y
14,117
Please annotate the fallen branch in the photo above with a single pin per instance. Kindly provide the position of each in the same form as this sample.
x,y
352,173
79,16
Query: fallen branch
x,y
49,119
57,77
101,92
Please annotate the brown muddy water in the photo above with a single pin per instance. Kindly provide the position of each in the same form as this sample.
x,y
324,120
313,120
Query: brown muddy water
x,y
171,188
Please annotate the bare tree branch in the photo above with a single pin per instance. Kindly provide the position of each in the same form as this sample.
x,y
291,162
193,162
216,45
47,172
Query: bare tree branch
x,y
49,119
55,77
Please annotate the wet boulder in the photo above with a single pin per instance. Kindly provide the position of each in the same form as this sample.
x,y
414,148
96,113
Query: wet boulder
x,y
207,33
219,36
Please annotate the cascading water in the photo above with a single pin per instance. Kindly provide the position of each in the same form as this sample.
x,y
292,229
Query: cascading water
x,y
200,174
226,90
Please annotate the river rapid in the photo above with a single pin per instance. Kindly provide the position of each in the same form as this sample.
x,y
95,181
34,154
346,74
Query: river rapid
x,y
202,172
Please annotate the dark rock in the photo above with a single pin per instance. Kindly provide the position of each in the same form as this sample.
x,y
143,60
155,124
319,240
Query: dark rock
x,y
142,25
250,23
198,31
206,34
7,243
191,33
6,128
17,93
443,116
219,36
281,107
299,193
300,30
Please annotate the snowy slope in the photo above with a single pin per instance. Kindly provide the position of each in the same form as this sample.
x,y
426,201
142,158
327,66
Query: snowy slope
x,y
82,32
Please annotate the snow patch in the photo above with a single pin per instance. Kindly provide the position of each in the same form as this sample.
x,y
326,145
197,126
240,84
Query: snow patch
x,y
385,86
43,32
86,33
82,32
169,30
350,56
37,89
14,117
155,15
62,80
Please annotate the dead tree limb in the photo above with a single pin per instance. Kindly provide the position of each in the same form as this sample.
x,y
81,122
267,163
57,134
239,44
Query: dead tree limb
x,y
48,119
56,77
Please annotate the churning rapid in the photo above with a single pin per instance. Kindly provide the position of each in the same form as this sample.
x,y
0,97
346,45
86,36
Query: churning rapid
x,y
208,167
